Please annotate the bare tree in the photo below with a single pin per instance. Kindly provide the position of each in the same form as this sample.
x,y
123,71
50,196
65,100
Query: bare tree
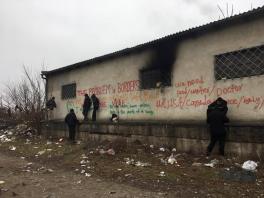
x,y
27,98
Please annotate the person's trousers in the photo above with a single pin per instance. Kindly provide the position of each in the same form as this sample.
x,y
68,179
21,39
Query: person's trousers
x,y
221,140
94,115
85,115
72,132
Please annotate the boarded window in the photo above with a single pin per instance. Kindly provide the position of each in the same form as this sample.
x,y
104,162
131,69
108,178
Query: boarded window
x,y
154,78
241,63
68,91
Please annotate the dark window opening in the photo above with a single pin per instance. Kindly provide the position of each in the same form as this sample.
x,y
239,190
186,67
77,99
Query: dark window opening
x,y
68,91
241,63
154,78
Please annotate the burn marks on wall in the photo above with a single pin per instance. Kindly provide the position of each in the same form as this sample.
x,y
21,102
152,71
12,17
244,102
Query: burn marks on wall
x,y
158,71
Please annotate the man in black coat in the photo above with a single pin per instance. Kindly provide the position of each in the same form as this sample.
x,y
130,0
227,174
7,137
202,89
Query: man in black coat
x,y
51,104
95,101
216,118
86,106
71,120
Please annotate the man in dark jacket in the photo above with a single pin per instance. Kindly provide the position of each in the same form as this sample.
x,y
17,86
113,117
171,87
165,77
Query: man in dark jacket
x,y
95,101
71,120
86,106
51,104
216,118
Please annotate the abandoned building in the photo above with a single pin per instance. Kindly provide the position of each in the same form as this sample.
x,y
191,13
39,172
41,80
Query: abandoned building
x,y
161,89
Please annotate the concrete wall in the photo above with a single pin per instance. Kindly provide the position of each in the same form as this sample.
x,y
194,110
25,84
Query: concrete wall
x,y
242,140
116,82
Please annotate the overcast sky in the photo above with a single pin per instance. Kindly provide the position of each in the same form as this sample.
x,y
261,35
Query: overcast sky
x,y
56,33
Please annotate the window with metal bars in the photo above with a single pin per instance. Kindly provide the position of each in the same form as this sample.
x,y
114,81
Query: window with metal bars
x,y
154,78
241,63
68,91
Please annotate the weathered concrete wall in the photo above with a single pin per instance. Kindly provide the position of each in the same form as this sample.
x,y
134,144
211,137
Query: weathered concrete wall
x,y
116,82
242,140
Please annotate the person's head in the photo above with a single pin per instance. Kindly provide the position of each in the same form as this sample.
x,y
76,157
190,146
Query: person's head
x,y
71,111
93,96
53,98
220,101
86,95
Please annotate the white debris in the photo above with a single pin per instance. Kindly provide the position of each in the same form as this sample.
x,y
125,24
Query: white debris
x,y
2,182
29,163
61,139
84,162
102,151
142,164
127,175
83,171
196,164
151,146
3,139
249,165
162,174
50,170
41,152
119,169
174,150
78,182
129,161
49,142
162,149
22,158
12,148
84,156
27,141
110,152
172,160
49,150
91,152
212,163
88,175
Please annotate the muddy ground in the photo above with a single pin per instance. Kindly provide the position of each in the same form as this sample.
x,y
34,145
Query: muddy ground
x,y
32,166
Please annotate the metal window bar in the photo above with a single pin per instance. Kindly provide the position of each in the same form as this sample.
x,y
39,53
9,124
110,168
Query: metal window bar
x,y
68,91
241,63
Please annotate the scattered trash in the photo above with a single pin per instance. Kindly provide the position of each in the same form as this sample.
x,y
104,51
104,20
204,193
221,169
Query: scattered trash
x,y
2,182
212,163
110,152
142,164
162,174
83,171
128,175
196,164
162,149
88,175
50,170
29,163
174,150
49,142
249,165
172,159
151,146
41,152
12,148
3,139
119,169
61,139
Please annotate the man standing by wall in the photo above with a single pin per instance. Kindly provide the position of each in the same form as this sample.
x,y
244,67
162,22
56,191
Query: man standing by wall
x,y
95,101
86,106
216,118
72,121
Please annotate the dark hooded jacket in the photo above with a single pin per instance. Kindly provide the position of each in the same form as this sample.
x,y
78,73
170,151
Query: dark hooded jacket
x,y
71,119
86,104
95,101
217,119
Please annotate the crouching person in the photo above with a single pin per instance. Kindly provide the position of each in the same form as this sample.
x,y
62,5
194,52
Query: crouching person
x,y
72,121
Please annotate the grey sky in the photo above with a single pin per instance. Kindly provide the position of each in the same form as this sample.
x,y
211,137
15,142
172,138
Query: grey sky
x,y
61,32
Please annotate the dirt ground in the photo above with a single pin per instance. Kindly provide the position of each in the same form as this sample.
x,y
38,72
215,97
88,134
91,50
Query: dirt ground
x,y
32,166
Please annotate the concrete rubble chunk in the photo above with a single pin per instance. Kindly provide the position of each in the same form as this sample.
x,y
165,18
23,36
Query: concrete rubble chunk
x,y
12,148
172,160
